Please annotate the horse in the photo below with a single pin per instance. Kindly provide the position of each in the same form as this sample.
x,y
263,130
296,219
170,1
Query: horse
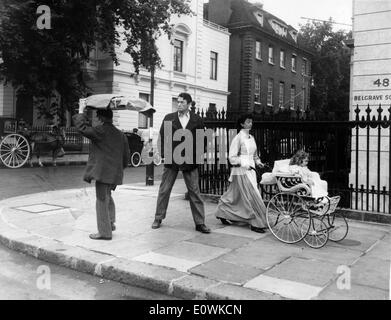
x,y
43,142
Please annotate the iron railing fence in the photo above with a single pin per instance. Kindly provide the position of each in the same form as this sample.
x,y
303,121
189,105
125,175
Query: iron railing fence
x,y
74,141
352,156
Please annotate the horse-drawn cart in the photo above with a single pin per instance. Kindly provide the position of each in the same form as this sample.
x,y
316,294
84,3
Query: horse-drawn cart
x,y
21,142
14,147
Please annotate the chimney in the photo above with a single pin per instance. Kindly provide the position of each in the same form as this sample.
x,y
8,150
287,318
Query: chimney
x,y
259,5
219,11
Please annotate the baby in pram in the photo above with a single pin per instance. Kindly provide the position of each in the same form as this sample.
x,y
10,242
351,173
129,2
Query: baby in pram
x,y
298,165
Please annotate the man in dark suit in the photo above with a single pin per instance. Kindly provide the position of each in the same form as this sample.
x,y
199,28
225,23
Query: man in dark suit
x,y
109,155
183,119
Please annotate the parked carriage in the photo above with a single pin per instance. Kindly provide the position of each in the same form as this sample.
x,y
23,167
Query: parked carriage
x,y
14,147
20,143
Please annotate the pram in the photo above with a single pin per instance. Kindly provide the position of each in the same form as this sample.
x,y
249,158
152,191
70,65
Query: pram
x,y
135,146
293,214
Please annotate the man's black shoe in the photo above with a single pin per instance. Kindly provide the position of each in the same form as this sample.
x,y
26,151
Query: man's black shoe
x,y
202,228
156,223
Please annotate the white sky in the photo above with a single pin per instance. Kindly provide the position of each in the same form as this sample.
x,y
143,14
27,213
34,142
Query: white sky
x,y
291,10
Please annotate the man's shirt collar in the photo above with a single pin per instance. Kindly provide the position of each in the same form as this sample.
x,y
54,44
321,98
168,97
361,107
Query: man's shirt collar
x,y
185,114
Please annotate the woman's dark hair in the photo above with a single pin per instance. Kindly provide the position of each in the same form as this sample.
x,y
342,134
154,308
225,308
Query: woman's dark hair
x,y
298,157
242,119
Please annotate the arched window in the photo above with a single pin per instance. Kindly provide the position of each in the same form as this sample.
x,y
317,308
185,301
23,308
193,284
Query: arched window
x,y
179,41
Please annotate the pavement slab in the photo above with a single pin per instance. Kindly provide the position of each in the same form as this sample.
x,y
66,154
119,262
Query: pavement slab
x,y
338,255
360,239
355,292
230,263
192,251
221,240
226,271
310,271
261,254
381,250
167,261
371,272
285,288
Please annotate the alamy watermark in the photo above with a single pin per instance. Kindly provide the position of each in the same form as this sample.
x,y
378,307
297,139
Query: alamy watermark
x,y
45,18
44,278
344,280
206,144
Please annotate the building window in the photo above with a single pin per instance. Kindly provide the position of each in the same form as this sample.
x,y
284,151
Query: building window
x,y
271,55
212,108
304,67
279,28
258,50
213,65
142,118
281,95
174,104
259,17
282,59
257,89
93,56
293,94
294,62
304,100
270,84
178,55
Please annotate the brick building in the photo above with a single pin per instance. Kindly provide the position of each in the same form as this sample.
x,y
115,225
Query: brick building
x,y
269,68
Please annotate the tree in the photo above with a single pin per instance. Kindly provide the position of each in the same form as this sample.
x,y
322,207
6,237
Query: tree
x,y
40,61
330,67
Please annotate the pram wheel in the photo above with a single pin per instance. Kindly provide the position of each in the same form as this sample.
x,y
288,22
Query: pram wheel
x,y
338,226
135,159
317,234
287,217
157,159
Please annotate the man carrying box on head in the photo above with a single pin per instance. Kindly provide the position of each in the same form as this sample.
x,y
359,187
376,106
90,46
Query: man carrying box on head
x,y
108,156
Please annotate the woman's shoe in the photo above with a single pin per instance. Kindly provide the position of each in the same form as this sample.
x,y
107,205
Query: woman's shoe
x,y
225,221
256,229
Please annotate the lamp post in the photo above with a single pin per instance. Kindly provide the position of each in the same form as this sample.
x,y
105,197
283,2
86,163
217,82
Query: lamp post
x,y
149,169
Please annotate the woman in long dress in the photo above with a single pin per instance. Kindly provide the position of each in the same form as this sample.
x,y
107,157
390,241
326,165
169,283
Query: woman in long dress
x,y
242,202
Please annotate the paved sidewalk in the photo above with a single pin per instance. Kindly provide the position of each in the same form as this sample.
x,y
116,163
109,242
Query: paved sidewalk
x,y
230,263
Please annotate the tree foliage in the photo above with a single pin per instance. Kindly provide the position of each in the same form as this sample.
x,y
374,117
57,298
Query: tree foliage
x,y
330,67
40,61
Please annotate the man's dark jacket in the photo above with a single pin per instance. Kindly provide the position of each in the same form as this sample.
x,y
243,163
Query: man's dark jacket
x,y
195,122
109,151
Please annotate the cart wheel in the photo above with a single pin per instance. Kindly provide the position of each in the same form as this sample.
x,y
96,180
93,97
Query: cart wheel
x,y
157,159
338,226
135,159
317,234
286,216
14,150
